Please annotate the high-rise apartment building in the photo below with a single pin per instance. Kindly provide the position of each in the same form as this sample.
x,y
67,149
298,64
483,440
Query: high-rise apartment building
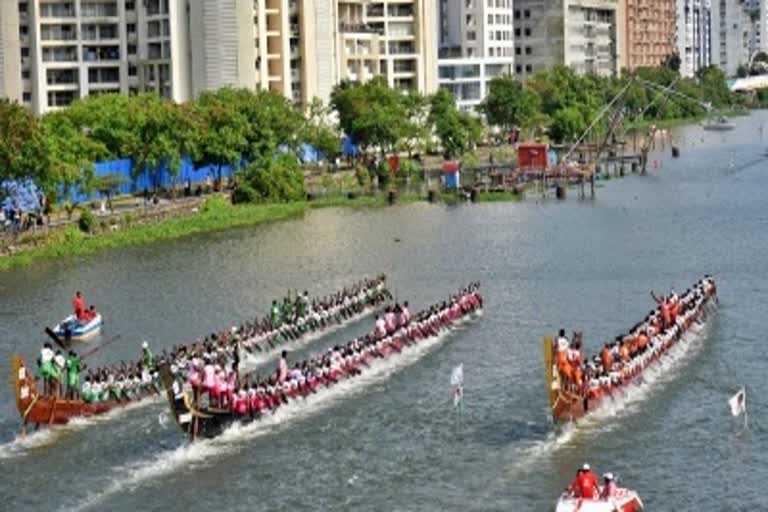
x,y
476,44
693,36
651,28
583,34
53,52
732,34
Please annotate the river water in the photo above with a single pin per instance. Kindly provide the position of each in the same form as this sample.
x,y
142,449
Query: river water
x,y
392,440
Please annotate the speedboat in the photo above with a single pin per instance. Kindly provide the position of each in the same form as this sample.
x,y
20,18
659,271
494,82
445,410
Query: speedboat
x,y
72,329
626,500
721,124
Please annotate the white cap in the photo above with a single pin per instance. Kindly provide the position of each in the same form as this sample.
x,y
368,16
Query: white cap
x,y
234,329
608,476
144,344
585,467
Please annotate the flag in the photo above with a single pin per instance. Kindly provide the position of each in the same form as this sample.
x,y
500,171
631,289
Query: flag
x,y
738,402
457,376
457,383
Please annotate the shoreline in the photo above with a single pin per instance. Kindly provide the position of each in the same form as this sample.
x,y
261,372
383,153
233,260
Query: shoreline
x,y
217,214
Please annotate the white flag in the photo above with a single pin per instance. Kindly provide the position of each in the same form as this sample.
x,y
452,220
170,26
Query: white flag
x,y
738,402
457,376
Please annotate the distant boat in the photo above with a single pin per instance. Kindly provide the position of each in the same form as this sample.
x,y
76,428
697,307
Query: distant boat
x,y
72,329
720,125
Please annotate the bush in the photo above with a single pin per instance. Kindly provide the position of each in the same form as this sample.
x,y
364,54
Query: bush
x,y
384,175
410,168
87,221
244,193
277,179
363,176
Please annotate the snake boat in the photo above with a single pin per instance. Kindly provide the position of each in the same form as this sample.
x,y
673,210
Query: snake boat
x,y
342,363
37,409
570,400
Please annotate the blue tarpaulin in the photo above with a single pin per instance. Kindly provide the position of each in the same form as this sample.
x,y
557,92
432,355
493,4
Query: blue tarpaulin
x,y
22,194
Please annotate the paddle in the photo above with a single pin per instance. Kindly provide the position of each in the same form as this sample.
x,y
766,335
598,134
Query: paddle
x,y
56,339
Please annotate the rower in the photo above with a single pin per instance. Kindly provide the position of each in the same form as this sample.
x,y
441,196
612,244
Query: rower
x,y
381,327
45,364
60,366
146,357
73,375
283,367
609,487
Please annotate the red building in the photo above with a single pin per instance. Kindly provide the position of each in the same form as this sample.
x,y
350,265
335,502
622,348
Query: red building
x,y
532,157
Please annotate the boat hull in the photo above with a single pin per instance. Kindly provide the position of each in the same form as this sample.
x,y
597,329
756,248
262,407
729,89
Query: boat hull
x,y
36,409
568,405
71,329
627,501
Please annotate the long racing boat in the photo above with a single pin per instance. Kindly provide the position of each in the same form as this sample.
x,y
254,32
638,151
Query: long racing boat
x,y
36,408
576,387
193,408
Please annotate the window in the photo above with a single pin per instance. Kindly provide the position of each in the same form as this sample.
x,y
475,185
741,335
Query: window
x,y
517,50
26,97
131,27
131,49
24,53
526,13
518,69
528,50
490,19
527,31
471,35
130,6
517,14
528,68
23,30
517,32
490,52
131,70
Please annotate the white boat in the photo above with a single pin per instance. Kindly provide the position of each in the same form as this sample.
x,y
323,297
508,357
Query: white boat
x,y
626,500
72,329
720,125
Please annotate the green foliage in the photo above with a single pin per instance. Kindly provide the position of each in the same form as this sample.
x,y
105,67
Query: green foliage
x,y
509,104
22,144
319,133
277,179
220,135
371,113
568,123
363,176
383,174
458,131
87,221
244,193
108,183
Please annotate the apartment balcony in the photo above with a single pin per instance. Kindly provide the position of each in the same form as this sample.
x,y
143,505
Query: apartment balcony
x,y
400,48
101,53
57,11
400,11
359,28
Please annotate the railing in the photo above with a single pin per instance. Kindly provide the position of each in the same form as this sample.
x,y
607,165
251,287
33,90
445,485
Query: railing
x,y
361,28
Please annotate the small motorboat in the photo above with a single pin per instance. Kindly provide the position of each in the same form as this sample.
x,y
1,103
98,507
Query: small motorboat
x,y
72,329
625,500
721,124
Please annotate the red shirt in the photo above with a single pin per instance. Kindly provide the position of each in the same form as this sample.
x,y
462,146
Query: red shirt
x,y
586,485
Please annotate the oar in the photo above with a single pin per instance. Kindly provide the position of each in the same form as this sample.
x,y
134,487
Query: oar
x,y
56,339
96,349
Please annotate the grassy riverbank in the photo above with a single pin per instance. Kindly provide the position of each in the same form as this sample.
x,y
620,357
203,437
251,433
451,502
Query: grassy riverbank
x,y
217,214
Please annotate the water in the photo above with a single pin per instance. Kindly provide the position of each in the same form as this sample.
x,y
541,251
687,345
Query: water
x,y
392,441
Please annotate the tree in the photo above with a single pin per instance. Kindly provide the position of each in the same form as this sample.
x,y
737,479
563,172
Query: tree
x,y
278,179
71,155
567,124
458,131
105,118
509,104
22,144
319,133
372,114
220,135
672,61
162,135
108,184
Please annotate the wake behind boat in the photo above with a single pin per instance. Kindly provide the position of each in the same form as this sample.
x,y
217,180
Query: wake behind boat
x,y
577,387
204,404
58,395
